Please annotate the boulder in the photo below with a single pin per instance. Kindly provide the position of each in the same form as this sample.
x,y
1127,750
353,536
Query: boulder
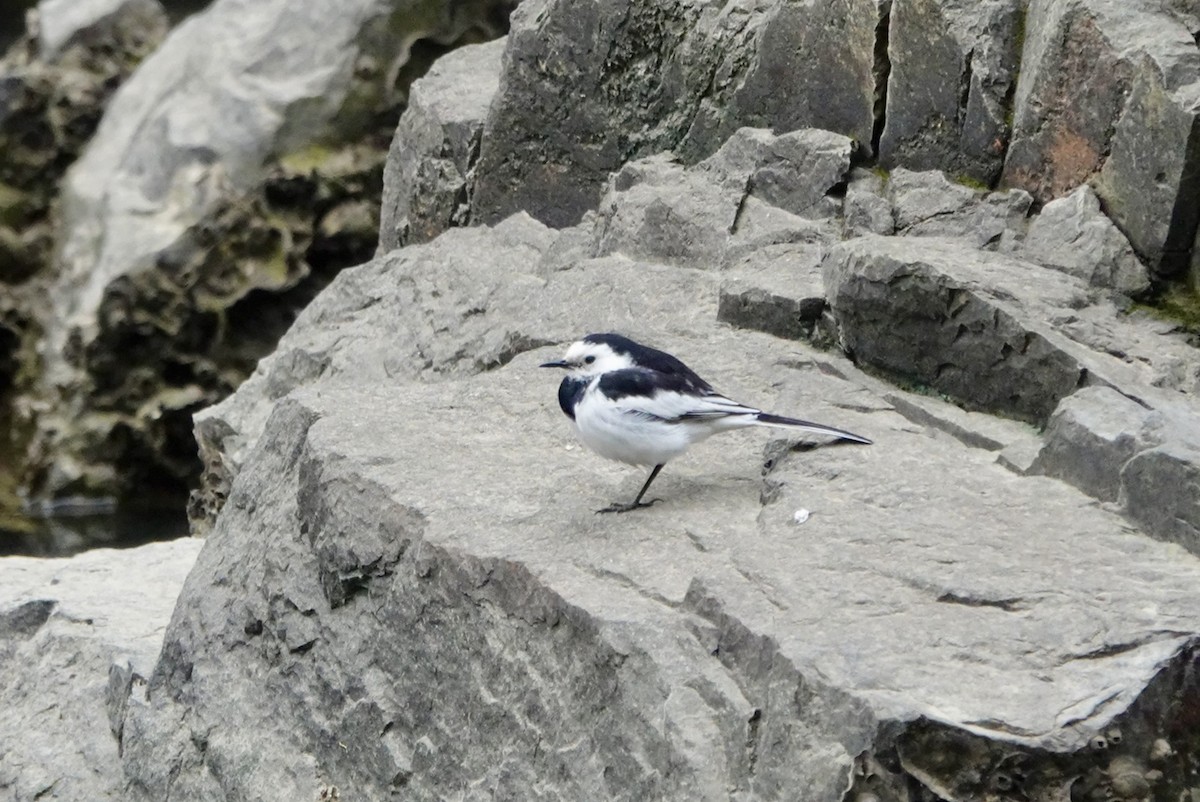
x,y
1110,92
943,315
776,289
757,188
1072,234
1141,452
1151,178
427,182
867,209
953,69
655,208
928,204
76,635
589,86
1159,490
1090,437
408,591
799,172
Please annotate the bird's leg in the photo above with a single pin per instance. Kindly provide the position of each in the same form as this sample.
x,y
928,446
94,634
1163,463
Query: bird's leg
x,y
637,502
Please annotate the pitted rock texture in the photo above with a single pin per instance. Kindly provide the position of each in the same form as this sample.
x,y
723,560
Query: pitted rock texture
x,y
223,190
54,84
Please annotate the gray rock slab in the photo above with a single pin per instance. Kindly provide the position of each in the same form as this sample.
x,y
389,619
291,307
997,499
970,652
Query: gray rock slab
x,y
1159,490
426,182
776,289
1143,454
1149,182
828,55
464,303
588,87
656,209
928,204
866,209
1090,437
761,225
757,189
973,429
796,172
74,633
935,312
953,66
997,332
1070,89
431,610
1072,234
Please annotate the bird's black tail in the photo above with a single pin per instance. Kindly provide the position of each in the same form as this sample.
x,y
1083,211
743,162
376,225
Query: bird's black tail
x,y
778,420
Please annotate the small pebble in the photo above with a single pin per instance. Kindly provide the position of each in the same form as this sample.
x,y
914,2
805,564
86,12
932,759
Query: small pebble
x,y
801,515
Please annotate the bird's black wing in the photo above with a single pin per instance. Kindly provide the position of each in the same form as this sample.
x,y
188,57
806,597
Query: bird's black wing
x,y
665,396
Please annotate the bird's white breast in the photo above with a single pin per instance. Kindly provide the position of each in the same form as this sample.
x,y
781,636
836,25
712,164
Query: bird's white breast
x,y
626,429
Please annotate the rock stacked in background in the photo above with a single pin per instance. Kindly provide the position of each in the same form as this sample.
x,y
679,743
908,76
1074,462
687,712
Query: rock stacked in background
x,y
233,176
54,85
405,591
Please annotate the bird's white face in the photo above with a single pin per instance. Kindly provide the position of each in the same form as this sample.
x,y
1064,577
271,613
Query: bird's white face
x,y
590,359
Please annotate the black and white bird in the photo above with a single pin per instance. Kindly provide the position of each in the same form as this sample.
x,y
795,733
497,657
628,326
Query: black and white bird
x,y
642,406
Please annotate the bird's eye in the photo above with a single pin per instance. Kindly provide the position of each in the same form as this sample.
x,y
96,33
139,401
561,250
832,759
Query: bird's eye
x,y
587,360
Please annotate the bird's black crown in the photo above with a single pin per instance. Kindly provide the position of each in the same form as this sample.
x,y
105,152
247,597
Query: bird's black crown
x,y
651,358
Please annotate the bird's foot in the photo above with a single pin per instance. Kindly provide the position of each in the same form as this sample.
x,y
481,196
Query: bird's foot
x,y
630,506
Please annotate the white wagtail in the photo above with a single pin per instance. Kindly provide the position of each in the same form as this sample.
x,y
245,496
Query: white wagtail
x,y
642,406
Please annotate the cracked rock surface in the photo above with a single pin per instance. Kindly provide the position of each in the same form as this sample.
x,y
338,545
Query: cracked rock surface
x,y
409,589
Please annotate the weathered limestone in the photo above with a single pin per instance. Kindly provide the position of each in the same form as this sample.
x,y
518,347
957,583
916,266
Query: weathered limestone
x,y
757,188
1141,452
928,204
655,208
233,175
940,314
1073,235
992,331
60,24
405,591
1090,437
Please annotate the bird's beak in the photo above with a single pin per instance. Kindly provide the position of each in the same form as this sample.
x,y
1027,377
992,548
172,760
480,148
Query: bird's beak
x,y
559,364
